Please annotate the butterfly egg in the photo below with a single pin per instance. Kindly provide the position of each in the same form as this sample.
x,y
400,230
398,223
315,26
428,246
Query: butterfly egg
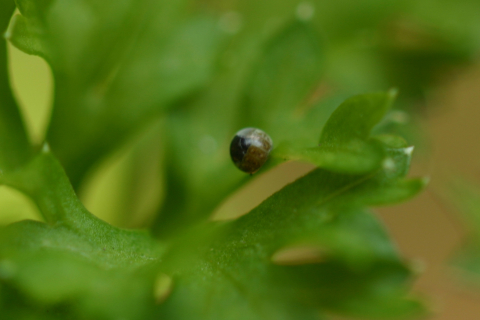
x,y
250,149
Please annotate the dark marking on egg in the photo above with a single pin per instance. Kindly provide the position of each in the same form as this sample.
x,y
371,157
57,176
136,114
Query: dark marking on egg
x,y
250,149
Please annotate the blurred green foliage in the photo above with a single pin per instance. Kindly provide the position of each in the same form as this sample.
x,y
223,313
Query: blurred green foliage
x,y
196,72
465,196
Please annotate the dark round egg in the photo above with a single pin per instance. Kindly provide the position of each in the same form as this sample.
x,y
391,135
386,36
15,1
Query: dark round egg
x,y
250,149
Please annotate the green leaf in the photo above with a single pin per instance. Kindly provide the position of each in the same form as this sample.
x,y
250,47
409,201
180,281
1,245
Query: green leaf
x,y
353,157
358,272
27,33
53,265
286,74
108,272
13,306
116,65
44,180
356,117
345,144
220,271
14,145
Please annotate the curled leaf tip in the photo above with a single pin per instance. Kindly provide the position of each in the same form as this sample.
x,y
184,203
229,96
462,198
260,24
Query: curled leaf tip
x,y
408,151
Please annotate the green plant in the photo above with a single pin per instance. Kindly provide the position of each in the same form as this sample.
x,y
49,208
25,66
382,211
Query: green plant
x,y
117,65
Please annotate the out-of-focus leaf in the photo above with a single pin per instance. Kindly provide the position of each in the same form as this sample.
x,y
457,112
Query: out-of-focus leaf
x,y
14,146
14,307
416,55
53,273
287,73
455,22
342,20
466,198
116,65
108,272
358,272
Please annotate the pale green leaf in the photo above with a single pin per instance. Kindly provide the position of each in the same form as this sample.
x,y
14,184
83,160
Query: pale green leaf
x,y
14,146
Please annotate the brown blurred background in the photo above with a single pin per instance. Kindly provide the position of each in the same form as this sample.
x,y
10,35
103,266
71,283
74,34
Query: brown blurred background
x,y
426,229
